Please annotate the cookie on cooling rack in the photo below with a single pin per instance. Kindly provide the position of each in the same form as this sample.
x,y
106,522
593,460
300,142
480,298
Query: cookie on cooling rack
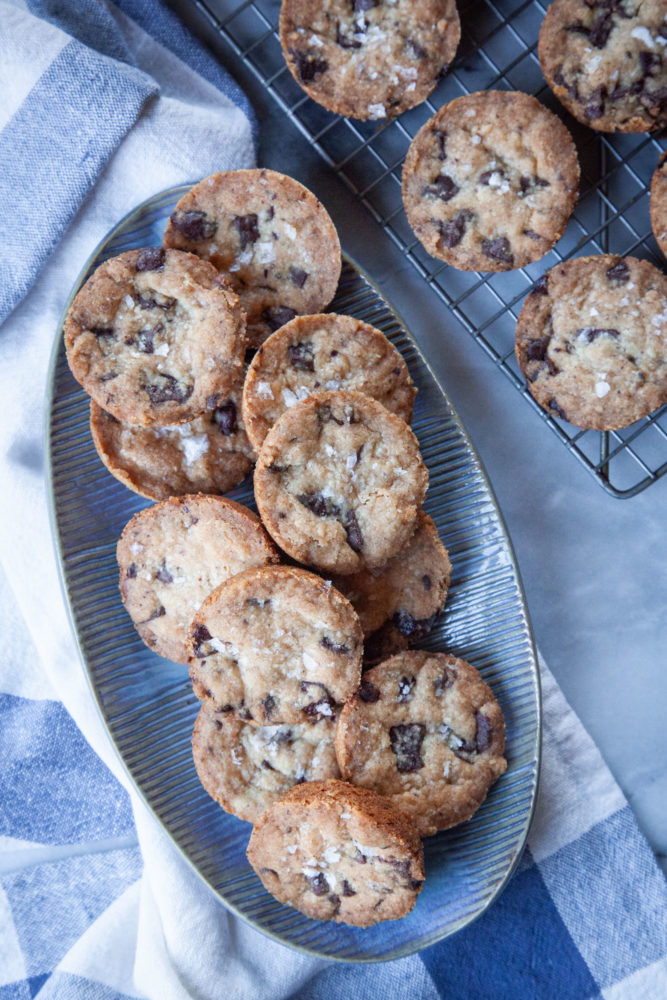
x,y
591,341
336,852
339,481
272,239
658,203
426,732
605,62
490,181
156,337
245,767
276,645
173,554
317,353
210,454
368,59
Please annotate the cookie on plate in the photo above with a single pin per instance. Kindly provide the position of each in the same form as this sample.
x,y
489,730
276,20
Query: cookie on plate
x,y
367,59
339,482
336,852
409,591
317,353
156,337
173,554
245,768
276,645
659,203
425,731
490,181
272,239
605,62
591,341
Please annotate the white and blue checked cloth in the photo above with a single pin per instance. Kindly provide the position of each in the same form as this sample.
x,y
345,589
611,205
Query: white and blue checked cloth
x,y
101,106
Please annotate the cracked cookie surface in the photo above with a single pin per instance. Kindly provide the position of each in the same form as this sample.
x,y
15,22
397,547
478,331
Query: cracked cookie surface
x,y
173,554
270,237
276,645
336,852
604,61
490,181
425,731
209,454
369,59
591,341
155,336
245,768
659,203
339,481
326,352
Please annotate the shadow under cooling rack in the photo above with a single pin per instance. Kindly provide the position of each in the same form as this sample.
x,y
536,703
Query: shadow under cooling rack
x,y
497,50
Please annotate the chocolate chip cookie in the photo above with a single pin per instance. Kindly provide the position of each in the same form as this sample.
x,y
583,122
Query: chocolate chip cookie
x,y
490,181
409,591
659,203
276,645
272,239
156,337
245,768
339,481
591,341
317,353
369,58
425,731
173,554
336,852
604,61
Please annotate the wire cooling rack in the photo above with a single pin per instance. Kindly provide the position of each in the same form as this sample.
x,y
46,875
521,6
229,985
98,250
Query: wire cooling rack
x,y
498,50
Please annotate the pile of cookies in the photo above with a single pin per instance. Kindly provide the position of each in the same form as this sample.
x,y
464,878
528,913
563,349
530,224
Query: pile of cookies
x,y
277,615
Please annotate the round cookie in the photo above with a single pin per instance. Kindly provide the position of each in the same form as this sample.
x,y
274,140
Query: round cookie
x,y
591,341
276,645
339,481
173,554
658,203
490,181
425,731
210,454
604,62
272,239
156,337
245,768
409,591
317,353
368,59
336,852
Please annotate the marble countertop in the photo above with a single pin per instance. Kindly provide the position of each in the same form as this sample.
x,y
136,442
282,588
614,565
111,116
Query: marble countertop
x,y
594,567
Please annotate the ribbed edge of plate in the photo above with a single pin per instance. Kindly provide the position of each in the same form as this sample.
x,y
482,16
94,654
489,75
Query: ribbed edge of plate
x,y
148,705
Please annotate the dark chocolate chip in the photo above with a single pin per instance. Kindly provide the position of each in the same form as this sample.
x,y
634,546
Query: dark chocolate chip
x,y
498,249
347,889
452,232
488,174
335,647
298,276
268,705
359,6
353,532
591,333
536,349
158,613
102,331
526,183
443,187
301,356
557,408
411,627
532,235
594,106
150,259
601,30
163,574
345,41
145,339
194,226
415,50
484,732
618,272
463,749
405,688
318,884
333,898
169,390
131,571
319,505
406,741
267,765
107,378
225,418
446,680
426,581
246,227
308,67
277,316
148,302
360,858
200,635
402,867
258,602
649,61
368,692
541,286
415,884
441,138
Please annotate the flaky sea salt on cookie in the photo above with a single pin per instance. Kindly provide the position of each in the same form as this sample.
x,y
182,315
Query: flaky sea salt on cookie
x,y
276,645
336,852
173,554
339,482
156,337
272,239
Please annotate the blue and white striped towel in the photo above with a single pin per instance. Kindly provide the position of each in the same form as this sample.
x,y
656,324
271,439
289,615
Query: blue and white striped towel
x,y
94,900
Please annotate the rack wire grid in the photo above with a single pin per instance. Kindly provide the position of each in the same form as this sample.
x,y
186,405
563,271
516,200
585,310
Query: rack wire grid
x,y
498,50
